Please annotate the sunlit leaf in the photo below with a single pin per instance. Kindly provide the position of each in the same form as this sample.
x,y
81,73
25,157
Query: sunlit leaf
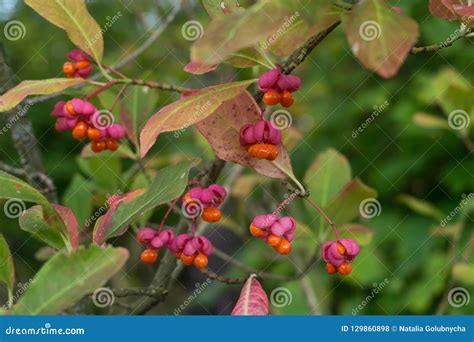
x,y
253,300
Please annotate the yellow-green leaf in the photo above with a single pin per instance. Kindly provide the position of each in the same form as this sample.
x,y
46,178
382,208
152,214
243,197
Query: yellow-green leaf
x,y
74,18
41,87
7,272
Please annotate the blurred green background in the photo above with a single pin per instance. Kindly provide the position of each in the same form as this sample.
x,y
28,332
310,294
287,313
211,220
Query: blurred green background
x,y
393,155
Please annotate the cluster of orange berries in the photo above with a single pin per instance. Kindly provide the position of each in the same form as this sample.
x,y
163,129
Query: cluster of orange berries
x,y
339,254
192,250
80,65
278,87
277,232
85,121
204,202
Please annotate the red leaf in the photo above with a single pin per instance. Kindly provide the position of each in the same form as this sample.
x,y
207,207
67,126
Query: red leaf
x,y
198,68
438,8
380,37
70,222
104,223
253,300
222,130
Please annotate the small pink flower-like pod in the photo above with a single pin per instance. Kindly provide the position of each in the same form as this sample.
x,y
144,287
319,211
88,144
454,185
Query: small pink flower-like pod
x,y
219,194
352,248
284,226
264,221
178,243
246,135
77,105
84,72
78,56
206,197
332,255
116,131
62,125
88,109
268,80
146,235
58,110
203,245
290,83
264,132
163,238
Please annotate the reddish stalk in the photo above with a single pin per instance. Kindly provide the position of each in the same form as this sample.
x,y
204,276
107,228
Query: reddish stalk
x,y
324,215
100,89
168,212
117,97
116,72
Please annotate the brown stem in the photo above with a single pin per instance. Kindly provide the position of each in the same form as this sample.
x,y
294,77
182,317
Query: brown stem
x,y
324,215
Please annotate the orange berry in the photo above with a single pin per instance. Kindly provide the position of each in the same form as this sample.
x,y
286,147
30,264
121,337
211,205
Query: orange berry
x,y
211,214
341,249
200,261
330,268
83,64
287,99
112,144
69,68
345,269
177,254
79,131
273,152
271,98
273,240
70,108
187,259
98,146
149,256
93,133
263,151
255,231
284,247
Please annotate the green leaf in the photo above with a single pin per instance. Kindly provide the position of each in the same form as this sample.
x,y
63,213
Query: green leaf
x,y
169,183
358,232
65,279
216,8
32,221
430,121
42,87
421,207
464,273
104,170
326,176
74,18
247,58
345,206
7,270
380,37
78,197
188,110
233,32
